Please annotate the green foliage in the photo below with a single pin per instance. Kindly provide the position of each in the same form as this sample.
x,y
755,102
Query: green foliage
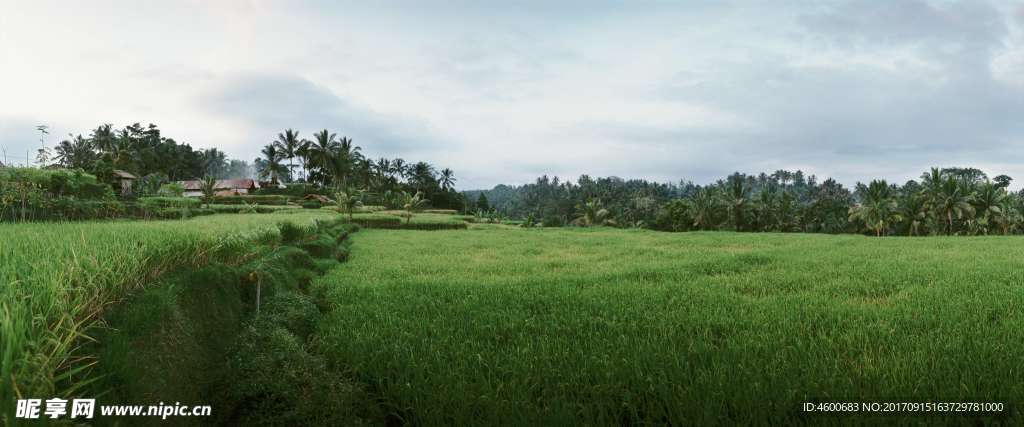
x,y
168,202
171,189
262,200
208,186
65,274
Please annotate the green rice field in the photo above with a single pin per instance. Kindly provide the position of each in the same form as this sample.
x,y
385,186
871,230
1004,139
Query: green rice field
x,y
59,278
498,325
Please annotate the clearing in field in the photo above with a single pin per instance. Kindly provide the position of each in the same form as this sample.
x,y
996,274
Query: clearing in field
x,y
602,326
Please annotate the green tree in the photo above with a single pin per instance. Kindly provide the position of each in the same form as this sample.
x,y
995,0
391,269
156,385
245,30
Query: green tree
x,y
349,200
208,186
270,165
877,209
482,203
412,204
288,144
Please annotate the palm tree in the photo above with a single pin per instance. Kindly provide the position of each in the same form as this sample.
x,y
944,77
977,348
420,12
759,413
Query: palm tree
x,y
412,204
321,154
343,161
737,195
914,210
399,167
302,152
208,186
349,200
878,207
288,144
447,179
705,208
590,213
421,175
953,198
270,165
988,205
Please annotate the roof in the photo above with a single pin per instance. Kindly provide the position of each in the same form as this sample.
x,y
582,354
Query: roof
x,y
124,175
222,184
317,197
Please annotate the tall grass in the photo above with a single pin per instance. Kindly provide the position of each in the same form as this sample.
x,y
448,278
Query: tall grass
x,y
575,326
59,277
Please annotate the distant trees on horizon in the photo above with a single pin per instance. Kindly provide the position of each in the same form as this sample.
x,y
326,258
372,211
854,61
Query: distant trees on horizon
x,y
949,201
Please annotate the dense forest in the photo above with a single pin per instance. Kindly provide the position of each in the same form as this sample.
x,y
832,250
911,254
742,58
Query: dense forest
x,y
948,201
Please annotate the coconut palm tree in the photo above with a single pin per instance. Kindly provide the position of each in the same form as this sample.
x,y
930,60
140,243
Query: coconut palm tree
x,y
988,206
914,211
412,204
270,164
321,155
952,199
447,179
343,162
877,209
705,208
591,213
288,144
737,194
349,200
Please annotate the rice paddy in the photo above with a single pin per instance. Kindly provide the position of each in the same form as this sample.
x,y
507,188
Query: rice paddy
x,y
59,277
500,325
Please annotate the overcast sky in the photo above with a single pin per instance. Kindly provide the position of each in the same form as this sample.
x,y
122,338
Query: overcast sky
x,y
503,92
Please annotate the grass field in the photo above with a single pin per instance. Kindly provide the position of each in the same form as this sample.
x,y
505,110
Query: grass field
x,y
497,325
59,277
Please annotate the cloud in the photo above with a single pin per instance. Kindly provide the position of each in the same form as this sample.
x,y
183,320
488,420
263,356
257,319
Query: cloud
x,y
268,104
502,93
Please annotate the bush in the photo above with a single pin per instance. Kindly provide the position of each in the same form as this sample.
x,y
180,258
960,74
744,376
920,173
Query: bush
x,y
292,311
233,209
311,204
168,202
72,209
262,200
171,189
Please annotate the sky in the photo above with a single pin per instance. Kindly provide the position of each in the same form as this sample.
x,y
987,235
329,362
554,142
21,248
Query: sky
x,y
503,92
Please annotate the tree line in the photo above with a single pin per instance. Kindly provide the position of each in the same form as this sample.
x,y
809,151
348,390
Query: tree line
x,y
326,164
948,201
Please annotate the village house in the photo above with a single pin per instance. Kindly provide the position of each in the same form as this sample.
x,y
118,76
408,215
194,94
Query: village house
x,y
125,180
224,187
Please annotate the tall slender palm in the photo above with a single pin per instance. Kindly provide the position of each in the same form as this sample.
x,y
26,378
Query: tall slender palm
x,y
447,179
737,194
271,166
302,152
988,206
399,167
288,144
914,211
952,199
343,161
321,154
705,208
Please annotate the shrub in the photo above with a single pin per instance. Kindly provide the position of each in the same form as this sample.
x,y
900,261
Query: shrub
x,y
262,200
168,202
311,204
171,189
292,311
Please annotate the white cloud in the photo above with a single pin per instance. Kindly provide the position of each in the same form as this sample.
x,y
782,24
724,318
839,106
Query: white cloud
x,y
502,93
